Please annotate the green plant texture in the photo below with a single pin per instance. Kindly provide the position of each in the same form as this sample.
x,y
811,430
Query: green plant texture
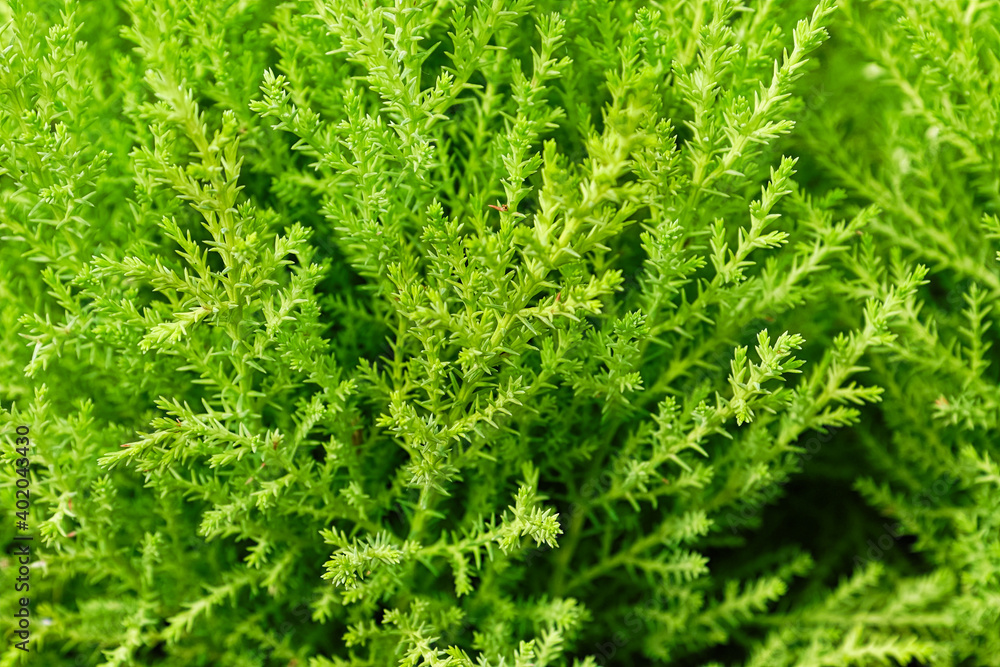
x,y
501,333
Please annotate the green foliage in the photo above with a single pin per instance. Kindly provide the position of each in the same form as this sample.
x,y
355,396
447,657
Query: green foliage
x,y
505,332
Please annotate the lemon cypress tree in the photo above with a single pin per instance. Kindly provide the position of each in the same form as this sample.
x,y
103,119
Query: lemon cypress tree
x,y
371,332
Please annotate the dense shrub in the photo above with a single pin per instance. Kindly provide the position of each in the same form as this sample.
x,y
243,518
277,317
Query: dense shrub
x,y
501,332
